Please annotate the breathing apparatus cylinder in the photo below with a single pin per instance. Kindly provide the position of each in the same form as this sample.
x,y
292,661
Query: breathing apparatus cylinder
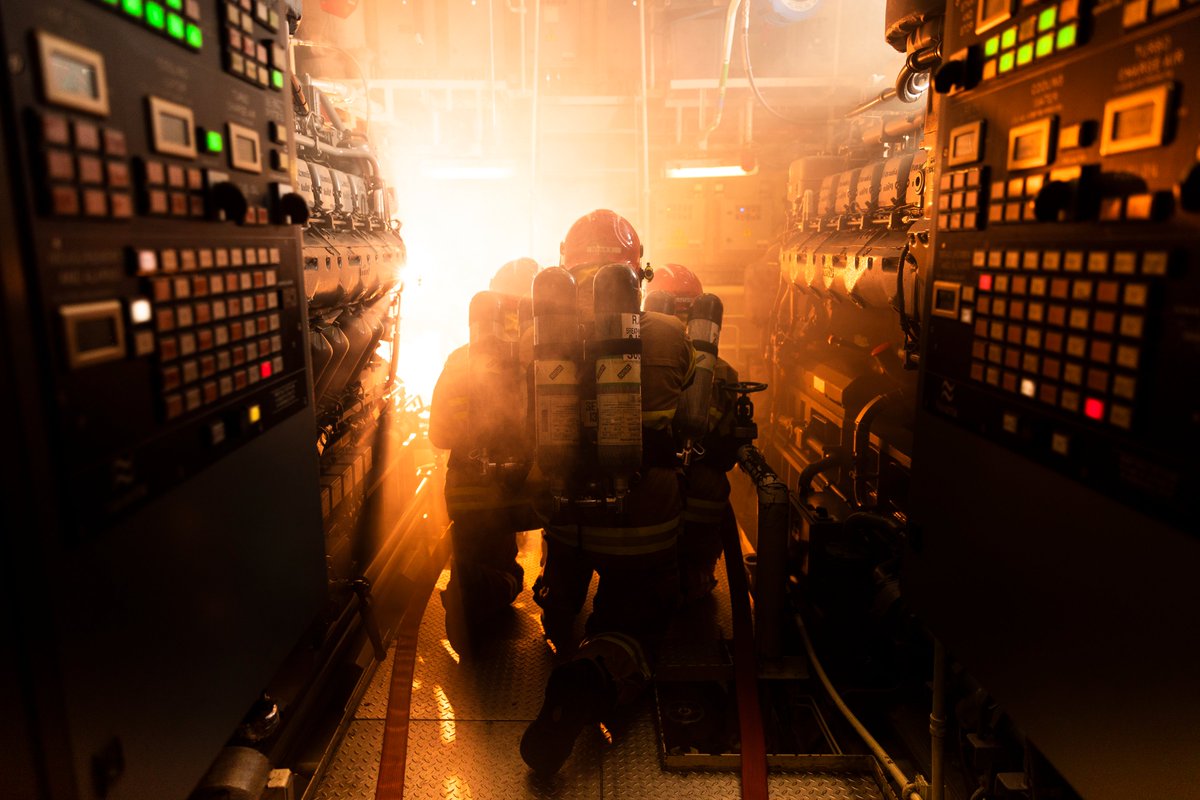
x,y
660,301
557,349
616,351
490,362
704,328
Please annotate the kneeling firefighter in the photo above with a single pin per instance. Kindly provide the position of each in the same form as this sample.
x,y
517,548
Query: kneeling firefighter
x,y
479,412
704,428
607,383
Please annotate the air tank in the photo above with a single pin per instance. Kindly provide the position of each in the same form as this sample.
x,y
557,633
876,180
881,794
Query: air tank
x,y
616,351
704,328
556,354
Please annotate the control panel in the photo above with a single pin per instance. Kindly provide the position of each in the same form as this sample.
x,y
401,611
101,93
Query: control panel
x,y
1053,545
1065,305
164,256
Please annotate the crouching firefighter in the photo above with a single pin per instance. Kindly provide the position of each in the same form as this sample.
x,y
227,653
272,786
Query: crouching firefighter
x,y
704,429
607,382
479,412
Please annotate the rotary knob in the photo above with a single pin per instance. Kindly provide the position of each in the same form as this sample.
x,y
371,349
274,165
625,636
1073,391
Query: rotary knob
x,y
227,202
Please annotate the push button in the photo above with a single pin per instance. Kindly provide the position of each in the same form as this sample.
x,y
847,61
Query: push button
x,y
56,130
64,201
60,166
87,136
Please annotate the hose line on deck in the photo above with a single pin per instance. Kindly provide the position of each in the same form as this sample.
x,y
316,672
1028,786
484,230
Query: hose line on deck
x,y
907,787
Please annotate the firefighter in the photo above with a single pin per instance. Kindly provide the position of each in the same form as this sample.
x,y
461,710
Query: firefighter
x,y
631,543
479,414
706,502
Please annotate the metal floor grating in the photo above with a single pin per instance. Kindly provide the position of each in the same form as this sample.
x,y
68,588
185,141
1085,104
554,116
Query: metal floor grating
x,y
468,715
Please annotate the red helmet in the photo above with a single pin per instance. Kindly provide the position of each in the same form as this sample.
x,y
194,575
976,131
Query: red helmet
x,y
601,237
679,282
515,279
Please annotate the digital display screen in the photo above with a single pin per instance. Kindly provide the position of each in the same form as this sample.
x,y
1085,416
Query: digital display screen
x,y
1027,147
73,76
174,130
965,146
245,150
95,334
1134,122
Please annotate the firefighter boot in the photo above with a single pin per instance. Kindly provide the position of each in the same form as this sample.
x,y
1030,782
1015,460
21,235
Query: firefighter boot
x,y
577,694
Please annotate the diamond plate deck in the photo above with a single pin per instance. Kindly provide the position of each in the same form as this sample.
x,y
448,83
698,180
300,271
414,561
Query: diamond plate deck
x,y
468,716
505,682
454,760
352,773
373,704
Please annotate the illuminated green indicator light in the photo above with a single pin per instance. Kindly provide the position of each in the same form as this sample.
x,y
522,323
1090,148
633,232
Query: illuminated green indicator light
x,y
195,37
1047,18
175,4
175,26
1045,45
132,7
1006,62
1066,36
112,2
155,16
1024,55
214,142
1008,38
991,46
277,79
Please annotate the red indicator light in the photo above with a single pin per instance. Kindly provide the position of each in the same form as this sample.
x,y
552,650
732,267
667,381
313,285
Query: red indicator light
x,y
985,283
264,369
1093,408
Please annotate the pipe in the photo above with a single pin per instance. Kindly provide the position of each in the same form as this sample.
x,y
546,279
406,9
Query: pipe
x,y
492,61
730,26
937,725
901,780
362,75
882,97
833,458
533,138
644,200
862,442
329,109
772,542
376,181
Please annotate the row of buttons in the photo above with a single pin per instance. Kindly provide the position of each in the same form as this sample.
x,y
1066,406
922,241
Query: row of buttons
x,y
1068,398
177,20
150,262
86,136
86,169
1051,30
185,288
1154,263
190,342
1104,352
192,369
1081,290
187,199
193,398
202,313
959,199
261,63
244,12
1138,12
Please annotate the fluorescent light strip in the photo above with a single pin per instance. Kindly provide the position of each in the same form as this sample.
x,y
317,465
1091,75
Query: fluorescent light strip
x,y
720,171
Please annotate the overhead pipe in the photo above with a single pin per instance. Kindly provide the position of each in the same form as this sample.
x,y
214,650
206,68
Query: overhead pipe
x,y
644,200
774,526
730,25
